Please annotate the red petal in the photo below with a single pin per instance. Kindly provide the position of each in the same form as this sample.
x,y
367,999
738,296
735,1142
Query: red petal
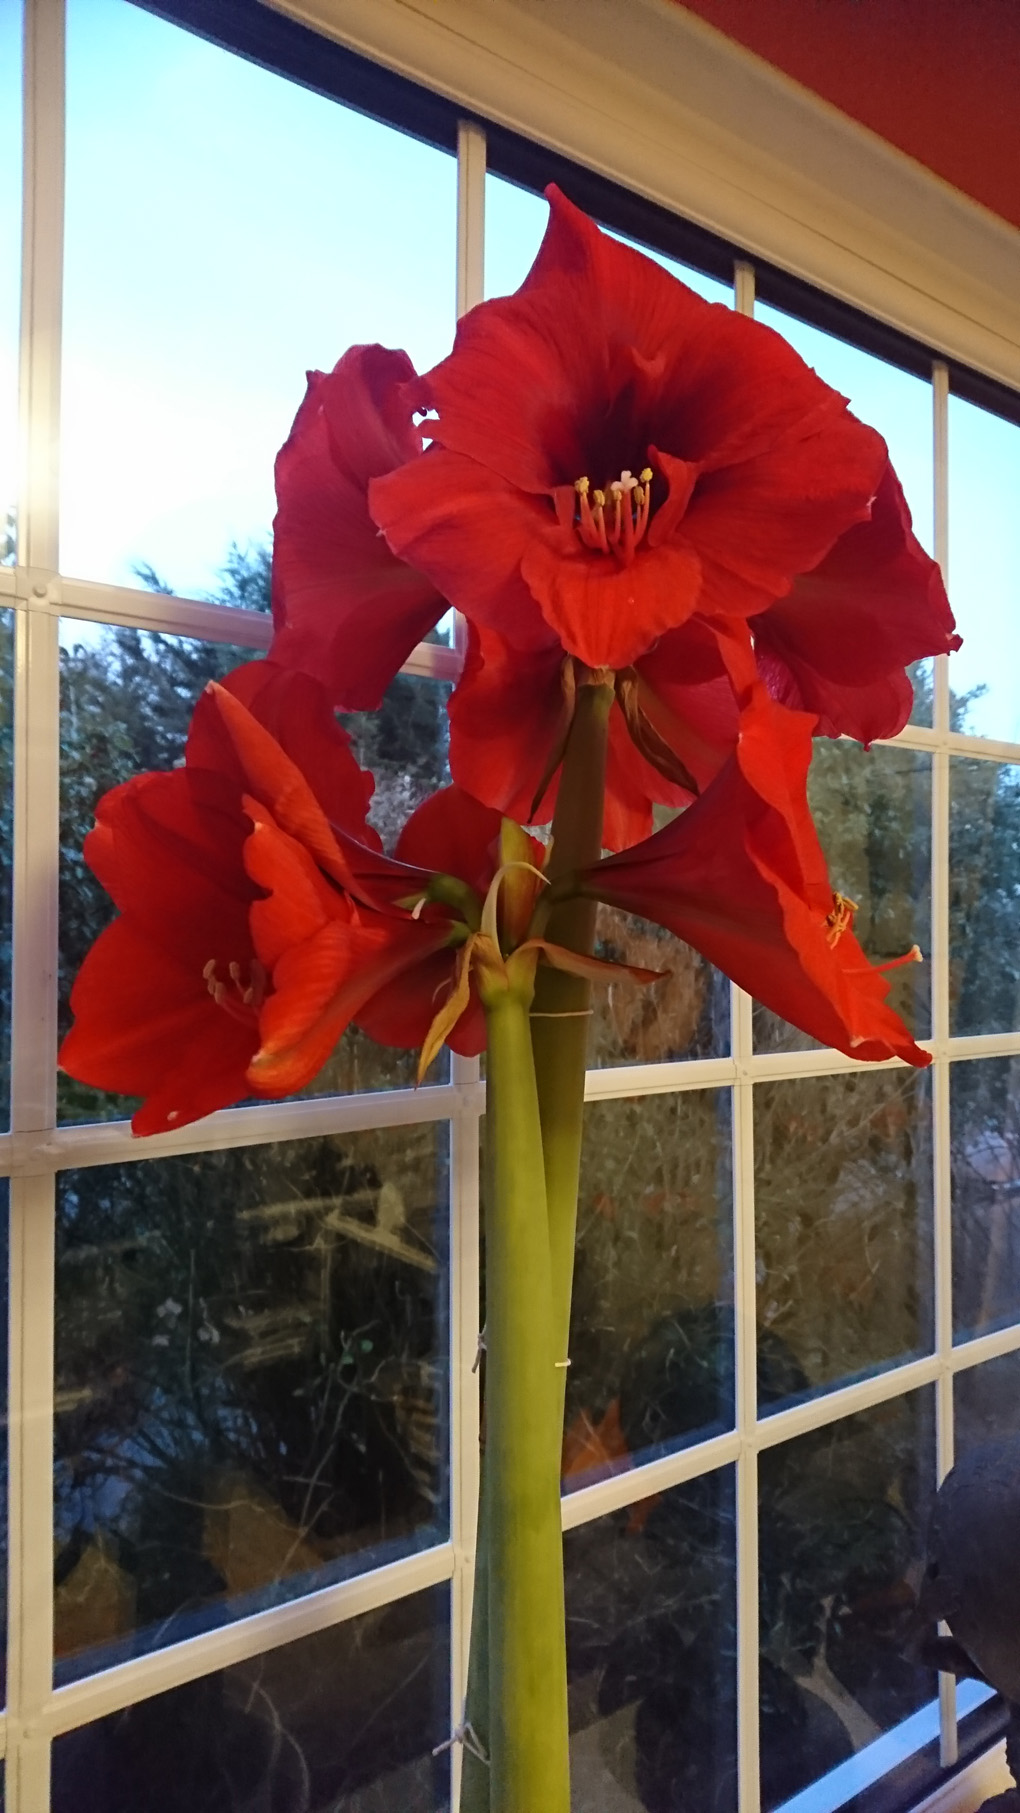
x,y
454,834
332,572
467,529
738,876
607,614
295,711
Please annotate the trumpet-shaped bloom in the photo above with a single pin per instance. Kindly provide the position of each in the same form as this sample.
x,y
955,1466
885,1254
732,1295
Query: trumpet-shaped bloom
x,y
345,608
741,876
614,460
166,1004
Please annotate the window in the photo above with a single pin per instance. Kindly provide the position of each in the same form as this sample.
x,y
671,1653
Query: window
x,y
243,1411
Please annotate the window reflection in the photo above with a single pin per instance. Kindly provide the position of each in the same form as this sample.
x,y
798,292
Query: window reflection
x,y
651,1339
250,1395
218,267
651,1649
685,1015
984,896
344,1721
843,1199
872,809
985,1121
842,1519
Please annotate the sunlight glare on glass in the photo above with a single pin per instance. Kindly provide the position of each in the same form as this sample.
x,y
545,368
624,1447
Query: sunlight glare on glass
x,y
206,271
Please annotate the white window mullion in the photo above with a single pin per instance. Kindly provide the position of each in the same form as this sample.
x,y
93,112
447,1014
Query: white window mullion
x,y
745,1320
464,1145
942,1178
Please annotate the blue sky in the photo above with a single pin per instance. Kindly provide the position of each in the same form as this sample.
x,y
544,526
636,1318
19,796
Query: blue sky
x,y
226,230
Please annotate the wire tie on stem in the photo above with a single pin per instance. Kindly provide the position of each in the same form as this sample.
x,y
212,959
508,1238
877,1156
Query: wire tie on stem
x,y
560,1364
481,1348
572,1013
465,1734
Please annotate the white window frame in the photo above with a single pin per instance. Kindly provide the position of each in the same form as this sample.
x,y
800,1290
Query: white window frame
x,y
672,111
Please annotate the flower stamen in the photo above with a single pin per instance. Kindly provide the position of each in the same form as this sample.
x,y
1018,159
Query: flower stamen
x,y
243,1000
840,919
631,500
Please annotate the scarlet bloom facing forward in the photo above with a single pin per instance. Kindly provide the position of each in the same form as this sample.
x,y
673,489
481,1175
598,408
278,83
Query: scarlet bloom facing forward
x,y
613,459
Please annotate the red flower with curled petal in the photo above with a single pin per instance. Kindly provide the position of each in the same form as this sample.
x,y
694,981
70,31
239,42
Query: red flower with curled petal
x,y
166,1003
345,608
741,877
613,459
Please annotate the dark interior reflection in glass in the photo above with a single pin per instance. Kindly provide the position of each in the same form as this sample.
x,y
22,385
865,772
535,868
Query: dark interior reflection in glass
x,y
985,1121
651,1340
843,1513
126,699
986,1402
251,1381
873,813
984,896
843,1208
344,1721
651,1645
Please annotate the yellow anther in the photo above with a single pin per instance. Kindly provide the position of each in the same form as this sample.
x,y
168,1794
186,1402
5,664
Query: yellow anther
x,y
646,475
598,498
581,487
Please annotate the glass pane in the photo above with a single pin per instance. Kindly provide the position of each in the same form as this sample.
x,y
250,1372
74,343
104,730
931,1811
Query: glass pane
x,y
873,813
651,1647
686,1015
984,896
10,271
984,569
207,270
985,1121
515,220
900,407
6,853
842,1521
251,1381
126,702
651,1337
344,1721
843,1197
986,1401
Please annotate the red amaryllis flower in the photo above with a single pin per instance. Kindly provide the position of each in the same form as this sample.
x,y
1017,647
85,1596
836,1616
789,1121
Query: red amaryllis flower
x,y
615,458
345,608
839,641
741,877
166,1003
391,943
612,453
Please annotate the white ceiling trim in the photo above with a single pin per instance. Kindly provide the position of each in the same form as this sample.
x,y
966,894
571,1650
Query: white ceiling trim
x,y
651,96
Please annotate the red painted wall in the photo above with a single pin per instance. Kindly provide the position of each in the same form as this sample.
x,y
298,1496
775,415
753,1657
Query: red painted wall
x,y
938,78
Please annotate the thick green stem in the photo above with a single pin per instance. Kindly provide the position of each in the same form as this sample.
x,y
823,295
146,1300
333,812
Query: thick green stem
x,y
529,1766
474,1780
559,1028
